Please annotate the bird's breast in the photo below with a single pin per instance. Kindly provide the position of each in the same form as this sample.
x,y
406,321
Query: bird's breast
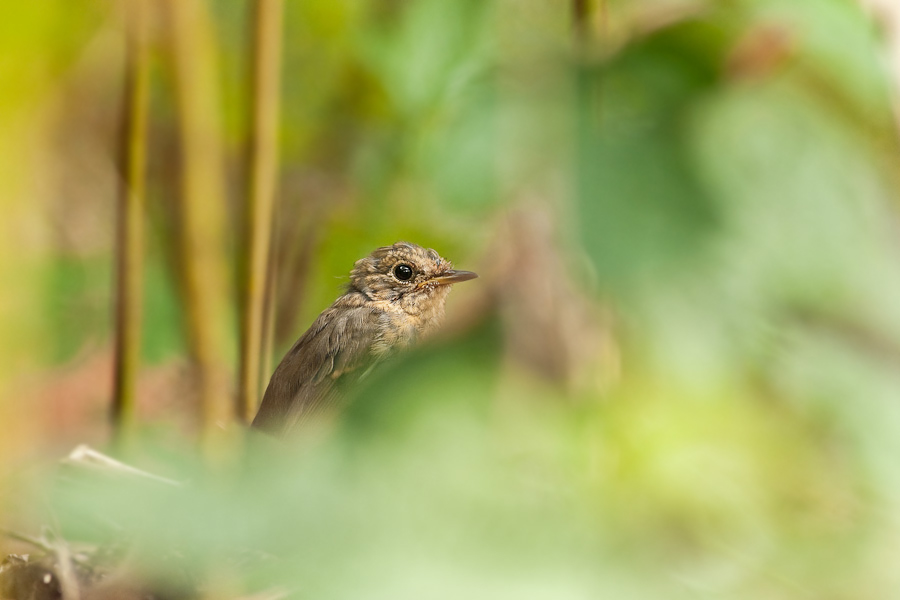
x,y
396,331
402,323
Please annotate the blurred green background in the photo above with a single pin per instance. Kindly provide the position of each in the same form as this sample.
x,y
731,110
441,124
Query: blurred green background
x,y
678,375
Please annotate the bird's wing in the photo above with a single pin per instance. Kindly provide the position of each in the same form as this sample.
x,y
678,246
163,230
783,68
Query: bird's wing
x,y
304,383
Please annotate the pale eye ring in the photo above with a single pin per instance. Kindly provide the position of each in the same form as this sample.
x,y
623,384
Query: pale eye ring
x,y
403,272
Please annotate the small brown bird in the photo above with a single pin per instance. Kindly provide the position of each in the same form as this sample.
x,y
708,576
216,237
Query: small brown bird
x,y
396,295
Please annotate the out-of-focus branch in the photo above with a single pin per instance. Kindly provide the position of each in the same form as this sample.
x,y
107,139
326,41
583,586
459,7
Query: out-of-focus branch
x,y
855,333
588,19
202,247
580,12
130,218
262,171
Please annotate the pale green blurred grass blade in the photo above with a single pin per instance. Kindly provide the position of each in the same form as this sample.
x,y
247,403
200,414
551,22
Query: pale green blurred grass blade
x,y
202,245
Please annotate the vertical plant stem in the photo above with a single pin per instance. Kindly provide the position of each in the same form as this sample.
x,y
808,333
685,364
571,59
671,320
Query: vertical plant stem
x,y
271,312
265,69
202,211
580,14
130,218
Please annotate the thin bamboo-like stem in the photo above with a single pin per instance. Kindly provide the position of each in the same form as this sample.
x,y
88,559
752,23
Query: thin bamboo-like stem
x,y
202,211
262,171
130,218
268,340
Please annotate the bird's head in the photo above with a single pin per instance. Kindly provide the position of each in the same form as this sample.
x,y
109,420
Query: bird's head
x,y
405,273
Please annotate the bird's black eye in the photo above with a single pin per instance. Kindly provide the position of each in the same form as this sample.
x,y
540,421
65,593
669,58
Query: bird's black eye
x,y
403,272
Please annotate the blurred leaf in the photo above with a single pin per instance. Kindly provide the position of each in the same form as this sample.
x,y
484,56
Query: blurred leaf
x,y
78,303
454,377
853,68
426,57
643,209
163,337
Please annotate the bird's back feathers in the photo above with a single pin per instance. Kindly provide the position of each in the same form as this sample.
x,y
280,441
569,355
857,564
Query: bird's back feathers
x,y
340,341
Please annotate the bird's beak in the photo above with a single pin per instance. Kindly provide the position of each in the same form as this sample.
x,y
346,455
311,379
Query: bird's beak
x,y
451,277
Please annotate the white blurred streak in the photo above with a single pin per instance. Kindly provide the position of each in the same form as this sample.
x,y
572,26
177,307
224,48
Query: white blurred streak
x,y
85,457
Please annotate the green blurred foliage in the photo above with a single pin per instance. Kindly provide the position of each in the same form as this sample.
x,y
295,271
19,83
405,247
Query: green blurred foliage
x,y
633,165
723,181
77,287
